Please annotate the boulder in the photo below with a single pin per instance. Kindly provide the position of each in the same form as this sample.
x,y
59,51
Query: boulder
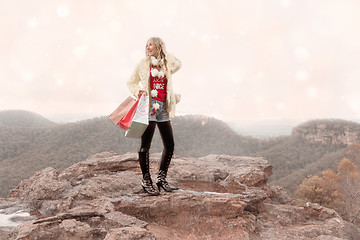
x,y
219,197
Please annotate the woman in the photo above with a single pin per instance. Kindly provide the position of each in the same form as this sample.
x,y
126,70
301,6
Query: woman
x,y
152,77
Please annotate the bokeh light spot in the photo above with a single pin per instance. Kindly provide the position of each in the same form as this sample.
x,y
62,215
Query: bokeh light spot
x,y
63,10
312,92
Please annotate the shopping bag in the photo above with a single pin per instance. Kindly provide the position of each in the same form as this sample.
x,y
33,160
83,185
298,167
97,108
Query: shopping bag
x,y
125,122
140,120
122,110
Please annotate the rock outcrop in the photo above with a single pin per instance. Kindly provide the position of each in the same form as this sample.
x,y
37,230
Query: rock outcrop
x,y
220,197
337,132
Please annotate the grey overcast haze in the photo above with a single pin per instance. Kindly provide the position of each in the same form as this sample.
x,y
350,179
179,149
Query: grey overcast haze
x,y
243,61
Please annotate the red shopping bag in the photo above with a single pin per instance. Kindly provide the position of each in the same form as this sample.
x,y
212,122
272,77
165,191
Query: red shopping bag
x,y
125,122
120,112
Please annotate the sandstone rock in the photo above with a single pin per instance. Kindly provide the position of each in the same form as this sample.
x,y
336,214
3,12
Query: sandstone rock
x,y
276,215
12,213
78,225
279,196
336,131
5,232
310,222
190,213
226,170
44,185
220,197
334,228
316,211
129,233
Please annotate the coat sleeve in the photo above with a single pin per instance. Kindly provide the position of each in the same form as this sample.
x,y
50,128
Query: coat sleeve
x,y
174,64
133,82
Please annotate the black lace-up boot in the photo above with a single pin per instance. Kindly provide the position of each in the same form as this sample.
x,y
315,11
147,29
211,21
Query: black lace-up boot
x,y
164,166
145,169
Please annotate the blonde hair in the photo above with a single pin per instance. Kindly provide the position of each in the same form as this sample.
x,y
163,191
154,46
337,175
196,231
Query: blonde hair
x,y
160,52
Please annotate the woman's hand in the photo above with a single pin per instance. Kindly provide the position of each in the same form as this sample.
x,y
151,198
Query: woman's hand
x,y
141,92
163,47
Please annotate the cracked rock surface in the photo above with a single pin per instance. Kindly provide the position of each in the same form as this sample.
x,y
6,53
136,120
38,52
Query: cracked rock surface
x,y
219,197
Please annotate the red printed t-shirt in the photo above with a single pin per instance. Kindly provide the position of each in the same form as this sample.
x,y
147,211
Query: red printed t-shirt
x,y
158,84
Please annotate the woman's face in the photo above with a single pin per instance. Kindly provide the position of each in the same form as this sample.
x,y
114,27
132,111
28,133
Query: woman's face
x,y
151,48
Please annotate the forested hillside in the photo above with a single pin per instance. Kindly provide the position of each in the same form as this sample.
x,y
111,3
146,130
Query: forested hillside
x,y
25,149
313,147
294,158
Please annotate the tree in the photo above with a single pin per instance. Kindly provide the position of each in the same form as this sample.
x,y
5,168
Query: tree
x,y
349,179
339,191
322,190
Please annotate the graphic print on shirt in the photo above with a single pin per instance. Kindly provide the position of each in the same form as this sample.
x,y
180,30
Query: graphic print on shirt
x,y
159,86
158,83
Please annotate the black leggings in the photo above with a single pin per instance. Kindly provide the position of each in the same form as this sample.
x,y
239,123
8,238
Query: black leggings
x,y
165,132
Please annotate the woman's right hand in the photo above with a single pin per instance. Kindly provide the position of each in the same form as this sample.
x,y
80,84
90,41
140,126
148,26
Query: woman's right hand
x,y
141,92
162,44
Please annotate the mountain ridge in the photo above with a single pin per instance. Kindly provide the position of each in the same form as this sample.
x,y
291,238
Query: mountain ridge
x,y
22,118
24,150
329,131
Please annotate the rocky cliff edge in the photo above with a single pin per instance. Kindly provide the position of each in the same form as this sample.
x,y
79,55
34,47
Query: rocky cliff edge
x,y
329,131
220,197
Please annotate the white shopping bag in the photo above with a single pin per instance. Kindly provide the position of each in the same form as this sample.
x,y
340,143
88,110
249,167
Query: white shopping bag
x,y
140,120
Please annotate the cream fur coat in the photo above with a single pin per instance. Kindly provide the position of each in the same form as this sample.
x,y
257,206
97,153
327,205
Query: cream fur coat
x,y
140,80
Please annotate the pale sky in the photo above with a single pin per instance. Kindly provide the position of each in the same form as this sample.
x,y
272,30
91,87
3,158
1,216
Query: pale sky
x,y
243,61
